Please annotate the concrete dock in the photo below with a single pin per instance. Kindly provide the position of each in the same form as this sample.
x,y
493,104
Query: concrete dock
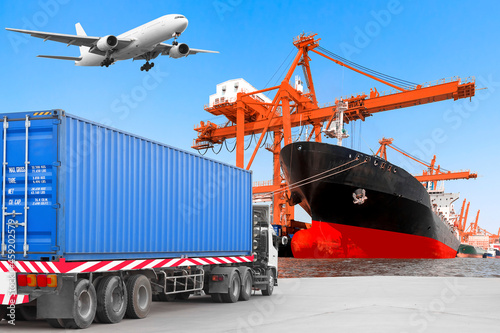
x,y
343,304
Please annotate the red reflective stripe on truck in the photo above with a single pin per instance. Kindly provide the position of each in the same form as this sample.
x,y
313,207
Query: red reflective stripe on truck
x,y
116,265
196,262
97,266
22,267
17,299
145,263
3,268
47,267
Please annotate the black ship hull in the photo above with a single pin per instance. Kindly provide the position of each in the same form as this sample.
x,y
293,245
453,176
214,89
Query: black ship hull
x,y
393,216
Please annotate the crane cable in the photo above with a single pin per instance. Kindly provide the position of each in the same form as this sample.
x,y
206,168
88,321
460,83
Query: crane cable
x,y
250,141
374,73
418,159
202,154
293,48
225,141
382,76
216,153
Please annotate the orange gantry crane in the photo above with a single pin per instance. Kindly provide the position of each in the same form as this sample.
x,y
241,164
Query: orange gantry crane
x,y
462,221
473,228
433,174
248,114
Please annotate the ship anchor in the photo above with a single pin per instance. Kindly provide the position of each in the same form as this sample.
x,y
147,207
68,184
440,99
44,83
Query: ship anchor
x,y
359,196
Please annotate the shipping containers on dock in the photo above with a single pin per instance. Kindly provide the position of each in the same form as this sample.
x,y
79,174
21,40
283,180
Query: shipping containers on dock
x,y
90,212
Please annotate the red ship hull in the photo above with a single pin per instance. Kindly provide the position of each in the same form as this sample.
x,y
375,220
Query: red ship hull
x,y
331,240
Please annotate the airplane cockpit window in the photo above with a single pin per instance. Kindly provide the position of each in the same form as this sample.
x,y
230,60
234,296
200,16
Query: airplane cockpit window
x,y
180,16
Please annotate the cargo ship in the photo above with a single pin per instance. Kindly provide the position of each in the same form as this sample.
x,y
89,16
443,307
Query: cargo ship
x,y
363,206
469,251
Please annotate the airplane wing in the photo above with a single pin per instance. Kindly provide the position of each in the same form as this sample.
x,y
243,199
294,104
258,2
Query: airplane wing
x,y
164,48
60,57
70,39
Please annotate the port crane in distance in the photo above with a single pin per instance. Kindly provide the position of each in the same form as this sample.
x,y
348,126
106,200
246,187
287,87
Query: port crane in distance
x,y
432,174
473,228
248,115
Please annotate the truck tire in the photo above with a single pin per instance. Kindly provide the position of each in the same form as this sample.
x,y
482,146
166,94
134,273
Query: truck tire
x,y
27,313
111,300
246,287
233,292
96,282
139,296
56,323
84,305
268,290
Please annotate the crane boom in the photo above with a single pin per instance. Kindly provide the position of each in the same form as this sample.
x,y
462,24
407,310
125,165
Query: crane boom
x,y
433,174
359,108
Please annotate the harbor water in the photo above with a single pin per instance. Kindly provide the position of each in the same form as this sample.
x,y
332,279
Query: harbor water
x,y
457,267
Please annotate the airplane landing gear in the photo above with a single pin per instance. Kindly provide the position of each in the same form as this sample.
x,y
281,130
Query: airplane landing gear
x,y
107,61
175,35
147,66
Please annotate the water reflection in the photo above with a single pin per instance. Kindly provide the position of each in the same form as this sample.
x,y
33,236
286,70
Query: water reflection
x,y
464,267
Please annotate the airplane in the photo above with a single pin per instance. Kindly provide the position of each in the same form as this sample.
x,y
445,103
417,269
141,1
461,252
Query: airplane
x,y
144,42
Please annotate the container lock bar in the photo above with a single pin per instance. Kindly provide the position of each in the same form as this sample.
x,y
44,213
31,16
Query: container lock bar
x,y
4,171
26,165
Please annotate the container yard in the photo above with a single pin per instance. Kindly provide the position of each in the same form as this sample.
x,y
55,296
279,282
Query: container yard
x,y
340,173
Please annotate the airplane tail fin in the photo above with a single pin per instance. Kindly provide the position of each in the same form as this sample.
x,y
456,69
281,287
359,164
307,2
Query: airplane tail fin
x,y
81,32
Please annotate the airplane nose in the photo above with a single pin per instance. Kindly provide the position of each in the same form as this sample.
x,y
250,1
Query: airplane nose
x,y
183,24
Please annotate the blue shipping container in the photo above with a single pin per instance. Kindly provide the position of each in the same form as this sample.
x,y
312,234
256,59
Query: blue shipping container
x,y
97,193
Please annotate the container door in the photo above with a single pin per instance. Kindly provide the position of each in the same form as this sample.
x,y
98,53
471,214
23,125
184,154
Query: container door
x,y
29,154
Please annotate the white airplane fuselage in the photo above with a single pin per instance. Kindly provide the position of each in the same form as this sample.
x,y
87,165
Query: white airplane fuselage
x,y
144,39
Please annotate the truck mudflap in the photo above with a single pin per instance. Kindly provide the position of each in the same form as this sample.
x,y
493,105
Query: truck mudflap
x,y
9,295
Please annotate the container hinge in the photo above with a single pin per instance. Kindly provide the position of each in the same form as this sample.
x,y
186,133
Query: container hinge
x,y
56,164
56,122
55,248
56,206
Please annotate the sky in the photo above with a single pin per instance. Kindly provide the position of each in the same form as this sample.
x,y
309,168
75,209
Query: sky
x,y
418,41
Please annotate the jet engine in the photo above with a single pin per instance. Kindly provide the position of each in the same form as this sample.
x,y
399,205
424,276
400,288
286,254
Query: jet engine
x,y
107,43
179,51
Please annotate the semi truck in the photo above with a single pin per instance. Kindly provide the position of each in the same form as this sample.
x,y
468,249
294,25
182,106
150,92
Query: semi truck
x,y
97,223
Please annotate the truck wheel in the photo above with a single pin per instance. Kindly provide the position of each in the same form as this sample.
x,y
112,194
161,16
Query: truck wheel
x,y
27,313
233,293
139,296
56,323
96,282
216,298
268,291
84,305
246,288
111,300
